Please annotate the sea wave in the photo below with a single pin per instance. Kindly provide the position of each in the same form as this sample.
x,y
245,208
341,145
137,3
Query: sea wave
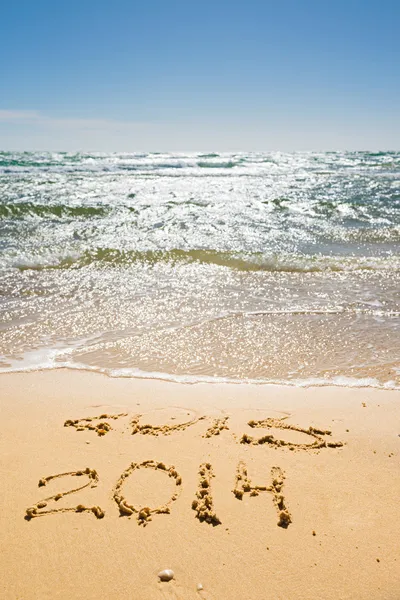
x,y
232,260
21,210
13,162
51,359
218,165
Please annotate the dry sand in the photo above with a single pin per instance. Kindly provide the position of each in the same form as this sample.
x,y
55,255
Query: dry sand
x,y
161,487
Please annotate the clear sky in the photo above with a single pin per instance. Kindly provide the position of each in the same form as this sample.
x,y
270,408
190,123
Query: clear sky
x,y
213,74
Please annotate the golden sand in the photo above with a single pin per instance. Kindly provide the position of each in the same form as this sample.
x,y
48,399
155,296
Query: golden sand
x,y
243,491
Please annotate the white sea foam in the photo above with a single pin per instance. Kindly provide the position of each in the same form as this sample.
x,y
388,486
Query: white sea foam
x,y
54,358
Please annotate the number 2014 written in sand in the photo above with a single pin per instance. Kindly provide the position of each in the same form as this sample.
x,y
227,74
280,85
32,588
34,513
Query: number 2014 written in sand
x,y
203,503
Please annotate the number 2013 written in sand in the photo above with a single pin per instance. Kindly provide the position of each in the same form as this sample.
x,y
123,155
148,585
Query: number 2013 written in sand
x,y
203,503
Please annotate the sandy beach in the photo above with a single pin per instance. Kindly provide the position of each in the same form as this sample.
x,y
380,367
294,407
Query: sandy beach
x,y
199,301
302,504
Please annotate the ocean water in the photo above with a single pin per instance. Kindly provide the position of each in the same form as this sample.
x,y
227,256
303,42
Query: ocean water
x,y
243,267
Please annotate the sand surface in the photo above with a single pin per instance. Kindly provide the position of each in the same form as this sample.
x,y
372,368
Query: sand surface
x,y
179,480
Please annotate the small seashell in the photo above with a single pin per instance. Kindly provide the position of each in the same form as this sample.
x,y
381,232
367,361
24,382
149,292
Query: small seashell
x,y
166,575
199,587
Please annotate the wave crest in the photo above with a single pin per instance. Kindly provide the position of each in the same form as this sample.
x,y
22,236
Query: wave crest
x,y
22,210
232,260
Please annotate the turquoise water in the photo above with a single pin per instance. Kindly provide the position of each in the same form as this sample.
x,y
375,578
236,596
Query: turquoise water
x,y
265,267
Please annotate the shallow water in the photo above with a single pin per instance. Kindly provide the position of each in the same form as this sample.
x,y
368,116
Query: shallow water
x,y
262,267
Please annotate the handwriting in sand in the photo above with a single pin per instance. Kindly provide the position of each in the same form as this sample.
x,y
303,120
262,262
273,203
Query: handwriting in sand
x,y
203,503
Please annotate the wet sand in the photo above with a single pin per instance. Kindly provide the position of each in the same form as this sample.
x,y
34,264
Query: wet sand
x,y
244,491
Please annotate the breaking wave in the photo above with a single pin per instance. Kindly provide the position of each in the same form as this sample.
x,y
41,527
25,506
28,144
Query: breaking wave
x,y
232,260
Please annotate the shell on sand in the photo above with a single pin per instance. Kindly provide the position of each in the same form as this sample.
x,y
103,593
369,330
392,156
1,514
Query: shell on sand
x,y
166,575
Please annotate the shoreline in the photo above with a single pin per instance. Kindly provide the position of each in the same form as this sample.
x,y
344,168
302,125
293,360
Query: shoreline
x,y
338,381
341,540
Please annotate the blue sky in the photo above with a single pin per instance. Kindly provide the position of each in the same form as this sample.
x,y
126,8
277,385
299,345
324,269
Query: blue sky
x,y
174,75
